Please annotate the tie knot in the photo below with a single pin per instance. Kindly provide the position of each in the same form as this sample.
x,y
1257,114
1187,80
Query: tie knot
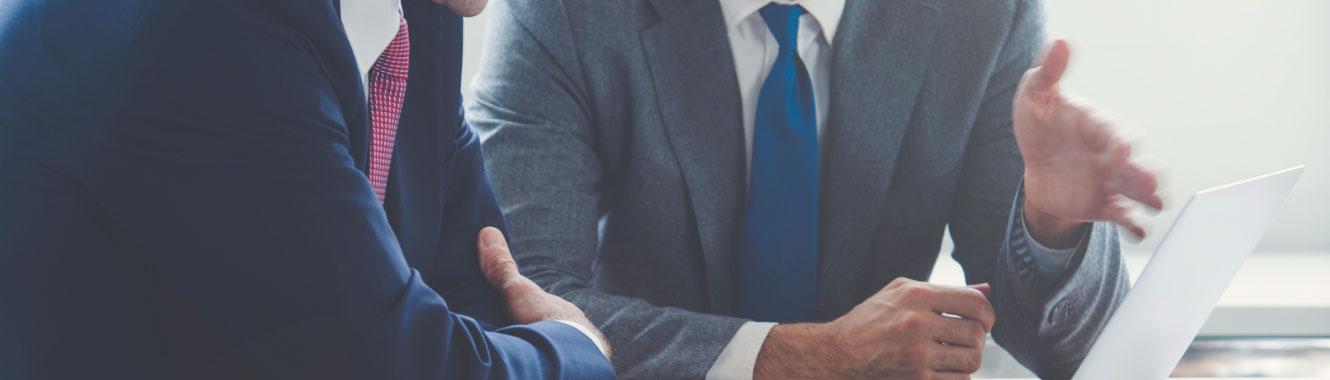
x,y
783,21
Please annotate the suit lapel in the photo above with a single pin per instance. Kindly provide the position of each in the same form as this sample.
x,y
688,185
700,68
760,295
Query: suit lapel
x,y
698,97
879,59
416,182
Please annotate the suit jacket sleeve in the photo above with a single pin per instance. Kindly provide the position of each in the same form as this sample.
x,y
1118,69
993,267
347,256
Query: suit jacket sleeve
x,y
469,205
531,109
227,167
1048,324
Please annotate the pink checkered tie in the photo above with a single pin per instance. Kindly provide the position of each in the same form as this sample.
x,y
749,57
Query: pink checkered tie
x,y
387,87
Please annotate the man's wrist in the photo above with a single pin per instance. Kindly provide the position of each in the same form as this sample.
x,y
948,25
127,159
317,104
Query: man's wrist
x,y
597,339
796,351
737,359
1050,230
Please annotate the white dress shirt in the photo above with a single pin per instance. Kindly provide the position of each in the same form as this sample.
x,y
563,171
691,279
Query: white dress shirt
x,y
370,26
754,50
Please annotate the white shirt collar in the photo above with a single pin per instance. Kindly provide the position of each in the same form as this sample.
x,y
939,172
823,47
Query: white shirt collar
x,y
370,26
826,12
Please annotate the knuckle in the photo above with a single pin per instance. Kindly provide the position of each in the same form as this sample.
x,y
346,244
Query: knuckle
x,y
989,317
914,356
912,322
916,291
977,334
899,282
986,314
972,361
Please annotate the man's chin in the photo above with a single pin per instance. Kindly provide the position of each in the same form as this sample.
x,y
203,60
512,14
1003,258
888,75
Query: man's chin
x,y
464,8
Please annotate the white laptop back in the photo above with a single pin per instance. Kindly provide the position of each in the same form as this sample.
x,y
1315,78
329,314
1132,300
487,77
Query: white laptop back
x,y
1215,232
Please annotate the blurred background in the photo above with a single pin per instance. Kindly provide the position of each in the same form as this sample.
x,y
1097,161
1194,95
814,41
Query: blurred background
x,y
1217,91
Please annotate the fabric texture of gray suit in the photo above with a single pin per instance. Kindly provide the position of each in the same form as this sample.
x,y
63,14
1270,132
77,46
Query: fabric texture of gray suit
x,y
613,134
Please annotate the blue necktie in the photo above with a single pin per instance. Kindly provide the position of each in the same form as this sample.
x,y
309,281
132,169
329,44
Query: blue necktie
x,y
778,255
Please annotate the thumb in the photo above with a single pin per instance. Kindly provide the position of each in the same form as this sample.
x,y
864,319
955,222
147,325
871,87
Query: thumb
x,y
1048,68
497,263
983,288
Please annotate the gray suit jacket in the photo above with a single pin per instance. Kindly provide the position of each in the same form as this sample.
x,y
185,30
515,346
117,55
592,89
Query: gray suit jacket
x,y
613,134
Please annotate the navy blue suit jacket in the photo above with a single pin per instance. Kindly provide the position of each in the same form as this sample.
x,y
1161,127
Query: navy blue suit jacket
x,y
183,195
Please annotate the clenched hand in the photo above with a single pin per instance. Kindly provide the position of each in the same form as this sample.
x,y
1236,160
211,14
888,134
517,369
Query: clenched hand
x,y
908,330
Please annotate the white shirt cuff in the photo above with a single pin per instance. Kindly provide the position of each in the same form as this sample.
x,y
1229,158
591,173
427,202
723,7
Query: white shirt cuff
x,y
585,331
736,361
1050,262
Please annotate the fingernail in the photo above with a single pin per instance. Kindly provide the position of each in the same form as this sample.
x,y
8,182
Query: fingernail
x,y
493,238
980,288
